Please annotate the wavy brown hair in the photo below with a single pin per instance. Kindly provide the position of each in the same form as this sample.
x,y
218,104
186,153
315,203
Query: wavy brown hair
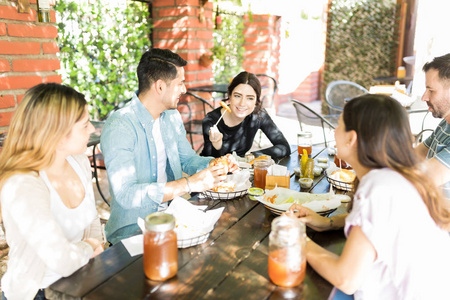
x,y
45,116
250,79
385,141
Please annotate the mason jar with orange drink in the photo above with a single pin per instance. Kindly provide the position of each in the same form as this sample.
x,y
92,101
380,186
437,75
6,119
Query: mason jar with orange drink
x,y
287,259
160,247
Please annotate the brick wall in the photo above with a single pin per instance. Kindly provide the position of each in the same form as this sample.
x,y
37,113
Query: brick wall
x,y
186,27
308,89
27,55
262,45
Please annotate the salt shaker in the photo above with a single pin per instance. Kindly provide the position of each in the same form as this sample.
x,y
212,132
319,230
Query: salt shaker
x,y
160,247
287,259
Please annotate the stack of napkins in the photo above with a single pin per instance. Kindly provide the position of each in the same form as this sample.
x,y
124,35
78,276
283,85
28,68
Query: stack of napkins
x,y
277,170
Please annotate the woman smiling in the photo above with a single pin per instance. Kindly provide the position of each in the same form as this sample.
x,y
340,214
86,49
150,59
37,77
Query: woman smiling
x,y
236,130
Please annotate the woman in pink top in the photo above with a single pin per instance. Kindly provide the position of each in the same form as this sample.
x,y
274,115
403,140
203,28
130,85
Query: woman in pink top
x,y
397,232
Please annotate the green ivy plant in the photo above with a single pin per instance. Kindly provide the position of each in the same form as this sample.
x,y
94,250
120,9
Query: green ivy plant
x,y
361,41
228,50
100,47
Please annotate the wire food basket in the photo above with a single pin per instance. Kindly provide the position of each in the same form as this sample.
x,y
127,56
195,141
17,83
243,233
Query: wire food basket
x,y
340,184
224,196
193,241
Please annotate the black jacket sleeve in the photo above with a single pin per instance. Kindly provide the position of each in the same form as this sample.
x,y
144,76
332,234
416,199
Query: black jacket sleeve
x,y
280,146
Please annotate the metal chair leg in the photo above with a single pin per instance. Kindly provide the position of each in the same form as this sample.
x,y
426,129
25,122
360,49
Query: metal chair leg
x,y
95,175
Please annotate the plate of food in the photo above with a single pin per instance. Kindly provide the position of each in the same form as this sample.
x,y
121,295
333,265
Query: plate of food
x,y
236,186
341,178
280,200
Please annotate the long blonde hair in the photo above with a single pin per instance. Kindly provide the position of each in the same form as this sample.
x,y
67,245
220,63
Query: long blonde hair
x,y
46,114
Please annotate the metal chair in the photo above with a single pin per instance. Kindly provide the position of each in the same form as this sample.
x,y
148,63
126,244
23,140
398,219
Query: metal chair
x,y
339,92
94,141
424,132
191,117
307,116
269,88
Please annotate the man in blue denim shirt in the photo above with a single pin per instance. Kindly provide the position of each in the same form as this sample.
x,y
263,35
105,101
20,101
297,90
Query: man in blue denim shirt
x,y
146,150
436,148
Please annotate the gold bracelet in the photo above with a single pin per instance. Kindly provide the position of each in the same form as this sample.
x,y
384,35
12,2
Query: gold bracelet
x,y
188,185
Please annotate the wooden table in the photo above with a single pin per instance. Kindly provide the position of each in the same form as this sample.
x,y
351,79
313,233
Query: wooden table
x,y
232,264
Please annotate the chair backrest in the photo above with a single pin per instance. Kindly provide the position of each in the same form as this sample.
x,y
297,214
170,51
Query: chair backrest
x,y
341,91
192,116
307,116
269,88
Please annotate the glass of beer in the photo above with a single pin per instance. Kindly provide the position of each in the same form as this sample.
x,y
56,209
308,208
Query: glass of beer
x,y
304,141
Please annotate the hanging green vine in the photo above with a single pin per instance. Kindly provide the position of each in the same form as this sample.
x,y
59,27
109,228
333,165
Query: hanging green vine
x,y
228,50
361,42
100,47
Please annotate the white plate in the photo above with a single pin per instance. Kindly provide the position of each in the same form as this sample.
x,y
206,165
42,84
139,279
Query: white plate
x,y
320,203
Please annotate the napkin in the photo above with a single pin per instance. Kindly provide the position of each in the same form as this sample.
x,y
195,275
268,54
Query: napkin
x,y
241,179
134,244
277,170
404,99
190,220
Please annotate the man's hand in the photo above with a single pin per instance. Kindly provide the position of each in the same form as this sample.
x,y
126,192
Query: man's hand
x,y
208,178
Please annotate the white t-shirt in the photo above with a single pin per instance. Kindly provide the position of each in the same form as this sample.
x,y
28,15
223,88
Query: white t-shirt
x,y
73,221
413,253
161,156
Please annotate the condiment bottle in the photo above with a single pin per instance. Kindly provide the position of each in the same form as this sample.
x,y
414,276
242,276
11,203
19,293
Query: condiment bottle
x,y
160,247
287,260
303,162
309,169
304,141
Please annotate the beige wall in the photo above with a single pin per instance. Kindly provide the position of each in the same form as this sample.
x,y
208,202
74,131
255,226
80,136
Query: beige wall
x,y
432,37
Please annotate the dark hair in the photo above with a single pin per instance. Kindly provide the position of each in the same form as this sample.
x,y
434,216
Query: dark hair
x,y
158,64
250,79
384,140
440,63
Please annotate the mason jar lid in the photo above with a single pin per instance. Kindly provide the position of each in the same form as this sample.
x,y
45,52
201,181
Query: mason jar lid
x,y
305,134
159,222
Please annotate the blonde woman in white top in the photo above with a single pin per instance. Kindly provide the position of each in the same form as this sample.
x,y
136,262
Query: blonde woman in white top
x,y
47,201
